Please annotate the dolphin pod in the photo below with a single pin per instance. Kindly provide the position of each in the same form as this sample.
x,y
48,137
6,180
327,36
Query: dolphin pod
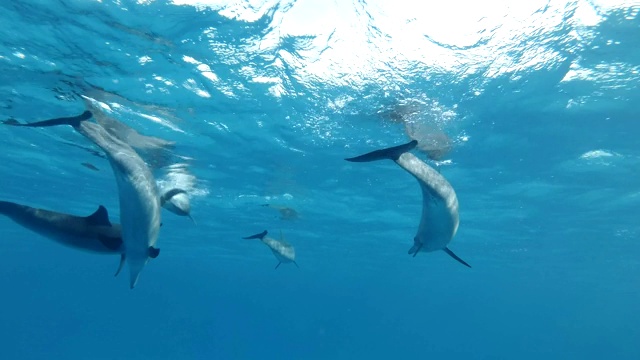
x,y
135,238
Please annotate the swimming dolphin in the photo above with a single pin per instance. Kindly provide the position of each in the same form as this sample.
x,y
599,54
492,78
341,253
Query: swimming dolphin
x,y
283,251
93,233
286,213
439,221
139,200
155,151
177,201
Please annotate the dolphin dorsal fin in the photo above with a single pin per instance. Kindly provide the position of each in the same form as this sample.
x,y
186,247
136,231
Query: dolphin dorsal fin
x,y
99,218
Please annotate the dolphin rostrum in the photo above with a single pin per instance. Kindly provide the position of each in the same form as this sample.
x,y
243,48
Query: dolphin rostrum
x,y
93,233
283,251
137,191
440,219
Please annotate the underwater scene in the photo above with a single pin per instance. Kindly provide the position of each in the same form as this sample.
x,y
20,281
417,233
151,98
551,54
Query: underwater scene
x,y
310,179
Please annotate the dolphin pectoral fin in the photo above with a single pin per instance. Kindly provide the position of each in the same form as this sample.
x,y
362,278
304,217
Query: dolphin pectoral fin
x,y
153,252
111,243
456,257
99,218
415,249
192,219
122,258
417,245
73,121
277,266
296,264
392,153
257,236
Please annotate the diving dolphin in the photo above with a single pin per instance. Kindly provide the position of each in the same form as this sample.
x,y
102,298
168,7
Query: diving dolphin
x,y
439,221
155,151
93,233
139,200
283,251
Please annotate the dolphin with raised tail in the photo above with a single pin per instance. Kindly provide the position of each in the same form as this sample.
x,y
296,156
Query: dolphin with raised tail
x,y
439,221
282,250
138,195
93,233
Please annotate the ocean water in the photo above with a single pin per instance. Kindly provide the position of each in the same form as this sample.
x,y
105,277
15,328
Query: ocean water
x,y
529,109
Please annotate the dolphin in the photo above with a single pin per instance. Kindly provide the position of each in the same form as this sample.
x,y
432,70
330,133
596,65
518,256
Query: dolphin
x,y
177,201
153,150
283,251
440,219
286,213
137,191
93,233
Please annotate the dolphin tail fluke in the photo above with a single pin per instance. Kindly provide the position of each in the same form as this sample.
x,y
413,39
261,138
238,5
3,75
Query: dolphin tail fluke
x,y
73,121
277,266
456,257
257,236
122,260
392,153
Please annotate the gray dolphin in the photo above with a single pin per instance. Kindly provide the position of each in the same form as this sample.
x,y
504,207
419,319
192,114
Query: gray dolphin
x,y
440,219
155,151
283,251
93,233
137,191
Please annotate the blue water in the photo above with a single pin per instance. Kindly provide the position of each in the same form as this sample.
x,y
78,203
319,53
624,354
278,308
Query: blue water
x,y
264,101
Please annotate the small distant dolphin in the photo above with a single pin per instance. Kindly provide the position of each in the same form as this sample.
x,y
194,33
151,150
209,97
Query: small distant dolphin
x,y
440,219
286,213
93,233
283,251
139,200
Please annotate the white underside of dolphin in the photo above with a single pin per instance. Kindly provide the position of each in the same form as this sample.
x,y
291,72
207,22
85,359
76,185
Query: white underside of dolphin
x,y
137,192
439,220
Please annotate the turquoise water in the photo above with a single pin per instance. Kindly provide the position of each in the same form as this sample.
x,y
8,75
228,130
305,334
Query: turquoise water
x,y
536,105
